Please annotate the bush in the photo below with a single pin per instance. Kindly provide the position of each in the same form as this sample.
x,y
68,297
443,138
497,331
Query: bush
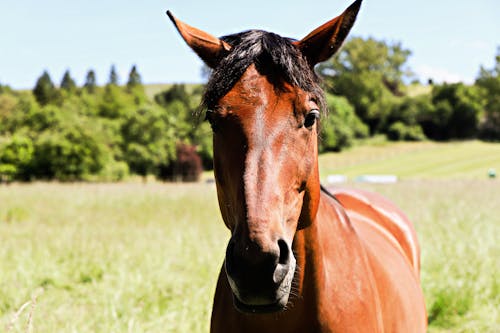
x,y
187,167
342,125
16,155
113,171
455,114
489,128
70,153
7,172
410,110
401,132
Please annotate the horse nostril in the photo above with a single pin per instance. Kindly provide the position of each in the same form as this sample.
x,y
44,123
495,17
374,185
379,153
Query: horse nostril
x,y
248,266
282,267
284,258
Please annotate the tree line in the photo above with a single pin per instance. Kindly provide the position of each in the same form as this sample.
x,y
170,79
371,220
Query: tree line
x,y
106,133
374,78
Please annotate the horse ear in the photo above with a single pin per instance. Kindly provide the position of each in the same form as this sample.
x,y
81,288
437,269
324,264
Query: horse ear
x,y
325,40
209,48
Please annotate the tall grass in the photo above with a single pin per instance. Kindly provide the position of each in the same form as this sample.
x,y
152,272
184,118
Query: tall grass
x,y
145,257
109,258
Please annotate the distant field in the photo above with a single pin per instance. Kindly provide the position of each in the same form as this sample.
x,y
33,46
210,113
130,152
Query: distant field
x,y
420,160
418,89
133,257
153,89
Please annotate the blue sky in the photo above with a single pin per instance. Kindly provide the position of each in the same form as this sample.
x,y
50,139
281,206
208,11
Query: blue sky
x,y
449,39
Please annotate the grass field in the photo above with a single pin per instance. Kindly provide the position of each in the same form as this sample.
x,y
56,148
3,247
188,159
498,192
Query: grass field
x,y
416,160
133,257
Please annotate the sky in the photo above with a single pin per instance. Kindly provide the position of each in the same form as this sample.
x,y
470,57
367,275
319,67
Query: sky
x,y
449,39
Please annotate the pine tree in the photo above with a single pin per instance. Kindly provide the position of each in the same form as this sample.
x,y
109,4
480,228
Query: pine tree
x,y
44,90
67,82
90,82
134,78
113,76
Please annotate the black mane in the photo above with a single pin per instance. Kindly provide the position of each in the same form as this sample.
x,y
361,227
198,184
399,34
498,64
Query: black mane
x,y
274,56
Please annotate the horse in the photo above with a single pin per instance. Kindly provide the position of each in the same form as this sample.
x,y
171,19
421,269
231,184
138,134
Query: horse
x,y
300,258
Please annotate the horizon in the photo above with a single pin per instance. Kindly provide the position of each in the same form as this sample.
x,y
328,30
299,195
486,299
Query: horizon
x,y
94,35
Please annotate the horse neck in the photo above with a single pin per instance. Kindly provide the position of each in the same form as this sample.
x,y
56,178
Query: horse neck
x,y
330,241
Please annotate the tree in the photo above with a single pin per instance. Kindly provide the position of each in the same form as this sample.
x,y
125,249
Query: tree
x,y
67,83
489,82
90,84
341,126
44,90
455,113
114,102
135,87
134,78
113,76
5,89
149,140
15,111
370,74
8,103
41,119
177,92
183,106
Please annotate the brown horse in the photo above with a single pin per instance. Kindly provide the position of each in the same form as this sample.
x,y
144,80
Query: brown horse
x,y
299,259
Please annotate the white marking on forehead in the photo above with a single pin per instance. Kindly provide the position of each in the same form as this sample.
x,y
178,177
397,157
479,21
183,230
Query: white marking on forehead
x,y
259,137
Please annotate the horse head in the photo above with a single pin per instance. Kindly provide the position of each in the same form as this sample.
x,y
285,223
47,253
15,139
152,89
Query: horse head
x,y
264,102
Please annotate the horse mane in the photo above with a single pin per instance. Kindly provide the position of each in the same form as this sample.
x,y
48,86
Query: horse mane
x,y
274,56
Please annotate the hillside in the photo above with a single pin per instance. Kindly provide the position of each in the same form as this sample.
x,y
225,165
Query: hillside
x,y
420,160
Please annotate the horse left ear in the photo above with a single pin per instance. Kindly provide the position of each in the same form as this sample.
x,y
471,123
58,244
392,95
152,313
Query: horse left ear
x,y
209,48
323,42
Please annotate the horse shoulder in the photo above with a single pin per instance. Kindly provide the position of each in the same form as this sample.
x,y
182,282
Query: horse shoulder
x,y
390,243
384,215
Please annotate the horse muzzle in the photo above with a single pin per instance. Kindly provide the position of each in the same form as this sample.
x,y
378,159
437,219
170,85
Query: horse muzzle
x,y
261,281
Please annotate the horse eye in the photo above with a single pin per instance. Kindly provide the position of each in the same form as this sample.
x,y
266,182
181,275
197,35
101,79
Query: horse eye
x,y
311,118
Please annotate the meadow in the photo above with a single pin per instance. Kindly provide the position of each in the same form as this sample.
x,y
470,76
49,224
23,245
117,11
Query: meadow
x,y
134,257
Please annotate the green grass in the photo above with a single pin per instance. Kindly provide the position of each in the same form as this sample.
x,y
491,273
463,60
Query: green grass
x,y
421,160
109,258
135,257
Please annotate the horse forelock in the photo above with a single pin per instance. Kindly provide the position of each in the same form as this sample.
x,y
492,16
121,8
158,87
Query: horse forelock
x,y
274,56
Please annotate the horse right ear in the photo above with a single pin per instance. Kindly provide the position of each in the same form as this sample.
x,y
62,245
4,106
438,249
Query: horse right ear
x,y
324,41
209,48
